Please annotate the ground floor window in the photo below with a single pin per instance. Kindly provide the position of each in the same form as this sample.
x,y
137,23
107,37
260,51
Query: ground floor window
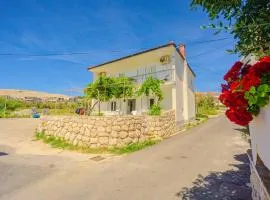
x,y
113,106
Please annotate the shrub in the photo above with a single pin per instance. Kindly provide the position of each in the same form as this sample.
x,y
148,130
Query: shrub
x,y
155,110
10,104
206,104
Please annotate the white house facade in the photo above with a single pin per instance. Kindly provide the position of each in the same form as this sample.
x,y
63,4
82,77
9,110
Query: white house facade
x,y
167,63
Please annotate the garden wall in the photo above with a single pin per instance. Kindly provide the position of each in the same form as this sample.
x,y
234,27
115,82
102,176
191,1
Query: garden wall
x,y
98,131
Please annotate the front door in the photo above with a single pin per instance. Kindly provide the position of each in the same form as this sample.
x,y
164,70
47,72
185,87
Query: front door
x,y
131,105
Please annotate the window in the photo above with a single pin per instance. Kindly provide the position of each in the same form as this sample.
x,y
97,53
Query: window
x,y
102,74
113,106
152,101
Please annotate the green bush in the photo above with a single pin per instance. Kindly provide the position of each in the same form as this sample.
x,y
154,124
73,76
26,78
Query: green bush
x,y
10,104
155,110
206,105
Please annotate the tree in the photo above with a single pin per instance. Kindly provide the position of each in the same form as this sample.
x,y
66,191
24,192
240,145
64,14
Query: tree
x,y
247,20
205,104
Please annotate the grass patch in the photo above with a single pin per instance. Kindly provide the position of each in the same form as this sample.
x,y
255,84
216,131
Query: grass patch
x,y
133,147
200,118
207,111
60,143
57,111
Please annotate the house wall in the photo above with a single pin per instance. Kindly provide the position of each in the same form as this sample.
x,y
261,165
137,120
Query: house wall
x,y
142,103
133,63
185,95
167,102
178,91
191,96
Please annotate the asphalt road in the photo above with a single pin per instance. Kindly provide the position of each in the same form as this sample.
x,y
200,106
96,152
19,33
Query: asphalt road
x,y
205,162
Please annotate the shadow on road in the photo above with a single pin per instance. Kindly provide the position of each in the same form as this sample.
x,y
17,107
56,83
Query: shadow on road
x,y
6,150
228,185
3,154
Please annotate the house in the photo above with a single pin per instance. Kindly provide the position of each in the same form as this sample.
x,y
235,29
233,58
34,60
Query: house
x,y
168,63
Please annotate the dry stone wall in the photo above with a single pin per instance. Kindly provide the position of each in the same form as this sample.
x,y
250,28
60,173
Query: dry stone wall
x,y
102,131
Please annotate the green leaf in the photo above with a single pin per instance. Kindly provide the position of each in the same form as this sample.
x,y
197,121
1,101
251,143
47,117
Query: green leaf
x,y
252,90
229,51
203,27
247,94
263,88
249,22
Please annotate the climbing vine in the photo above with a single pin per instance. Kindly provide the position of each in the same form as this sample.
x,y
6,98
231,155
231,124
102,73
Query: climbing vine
x,y
151,86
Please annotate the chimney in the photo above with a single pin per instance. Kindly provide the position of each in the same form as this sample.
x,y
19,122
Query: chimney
x,y
171,42
182,50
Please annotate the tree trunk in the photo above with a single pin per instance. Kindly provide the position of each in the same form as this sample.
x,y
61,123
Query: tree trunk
x,y
99,107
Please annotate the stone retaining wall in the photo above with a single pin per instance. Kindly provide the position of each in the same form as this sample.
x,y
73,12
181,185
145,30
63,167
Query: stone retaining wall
x,y
98,131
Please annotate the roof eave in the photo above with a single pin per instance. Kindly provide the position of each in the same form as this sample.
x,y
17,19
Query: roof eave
x,y
135,54
138,53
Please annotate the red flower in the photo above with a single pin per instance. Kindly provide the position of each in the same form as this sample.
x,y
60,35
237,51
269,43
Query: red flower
x,y
250,80
265,59
240,79
235,85
261,67
224,87
234,73
239,116
233,99
245,70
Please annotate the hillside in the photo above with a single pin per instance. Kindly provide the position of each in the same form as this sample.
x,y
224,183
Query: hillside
x,y
30,93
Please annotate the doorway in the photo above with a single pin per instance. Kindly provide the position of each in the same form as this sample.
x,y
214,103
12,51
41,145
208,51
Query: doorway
x,y
131,105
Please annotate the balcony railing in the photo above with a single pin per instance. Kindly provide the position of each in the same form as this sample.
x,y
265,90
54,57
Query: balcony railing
x,y
164,72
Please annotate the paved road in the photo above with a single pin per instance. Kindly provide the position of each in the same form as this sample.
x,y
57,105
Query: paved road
x,y
206,162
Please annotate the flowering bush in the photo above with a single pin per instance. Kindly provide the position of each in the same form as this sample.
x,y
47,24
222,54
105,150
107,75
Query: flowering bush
x,y
246,91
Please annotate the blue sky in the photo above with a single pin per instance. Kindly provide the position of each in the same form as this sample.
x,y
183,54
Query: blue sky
x,y
106,29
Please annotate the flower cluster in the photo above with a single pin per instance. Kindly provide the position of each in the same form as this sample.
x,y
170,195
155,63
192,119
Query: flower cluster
x,y
241,79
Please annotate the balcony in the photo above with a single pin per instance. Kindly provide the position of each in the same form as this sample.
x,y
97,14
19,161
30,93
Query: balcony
x,y
162,72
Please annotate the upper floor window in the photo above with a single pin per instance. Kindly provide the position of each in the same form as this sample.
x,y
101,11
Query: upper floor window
x,y
102,74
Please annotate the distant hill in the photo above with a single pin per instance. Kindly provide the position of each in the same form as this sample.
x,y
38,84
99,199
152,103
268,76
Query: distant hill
x,y
30,93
